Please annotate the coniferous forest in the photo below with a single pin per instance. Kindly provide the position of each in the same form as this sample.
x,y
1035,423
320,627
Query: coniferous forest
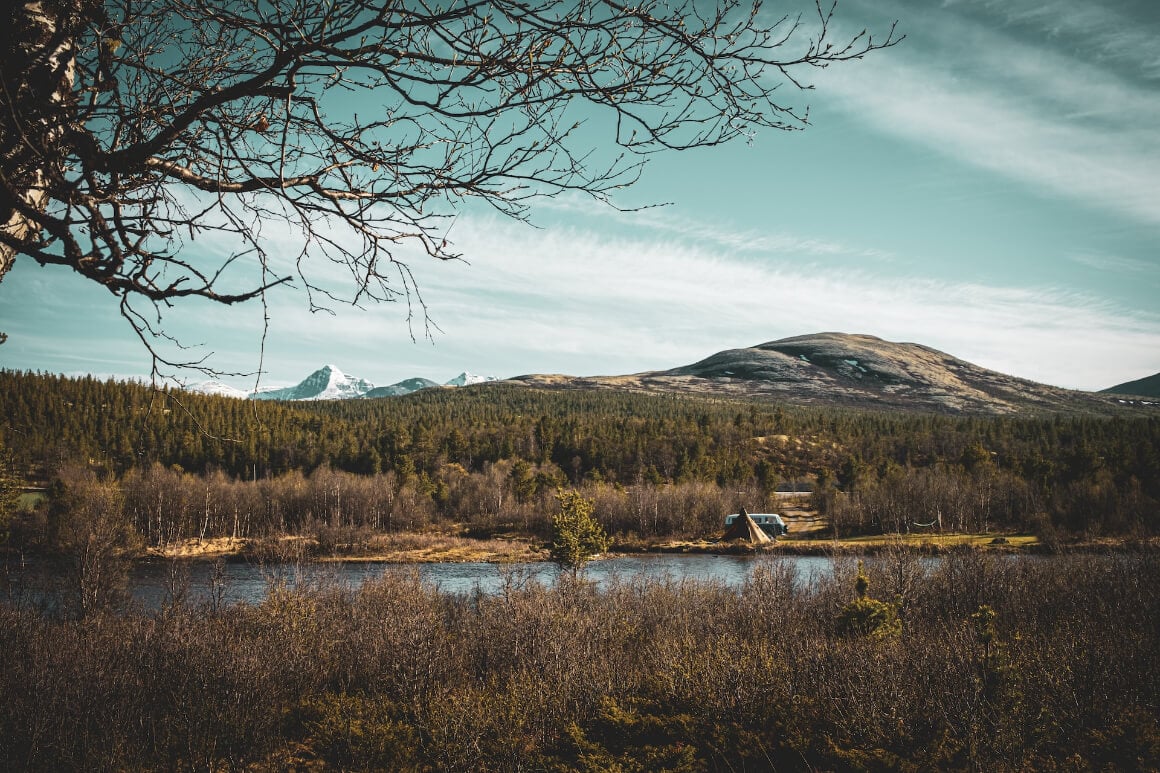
x,y
492,457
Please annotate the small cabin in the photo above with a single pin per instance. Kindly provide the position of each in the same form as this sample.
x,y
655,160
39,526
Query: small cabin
x,y
770,523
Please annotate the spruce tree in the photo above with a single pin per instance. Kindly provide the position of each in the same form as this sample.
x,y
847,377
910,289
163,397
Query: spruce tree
x,y
576,534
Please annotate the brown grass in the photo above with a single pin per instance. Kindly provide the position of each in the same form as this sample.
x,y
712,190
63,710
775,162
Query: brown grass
x,y
213,547
805,538
943,541
439,547
401,547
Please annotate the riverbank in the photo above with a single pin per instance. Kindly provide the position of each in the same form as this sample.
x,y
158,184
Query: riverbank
x,y
923,544
458,547
401,547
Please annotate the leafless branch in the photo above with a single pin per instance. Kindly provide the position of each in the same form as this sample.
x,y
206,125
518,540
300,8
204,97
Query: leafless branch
x,y
130,128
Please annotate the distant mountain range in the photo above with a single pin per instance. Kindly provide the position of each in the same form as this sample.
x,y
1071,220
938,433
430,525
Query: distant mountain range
x,y
330,383
831,369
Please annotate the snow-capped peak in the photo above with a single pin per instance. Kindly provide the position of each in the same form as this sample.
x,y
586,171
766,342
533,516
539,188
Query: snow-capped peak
x,y
326,383
330,383
219,389
465,378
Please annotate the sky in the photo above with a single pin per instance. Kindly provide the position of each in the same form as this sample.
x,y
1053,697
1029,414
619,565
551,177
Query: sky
x,y
990,187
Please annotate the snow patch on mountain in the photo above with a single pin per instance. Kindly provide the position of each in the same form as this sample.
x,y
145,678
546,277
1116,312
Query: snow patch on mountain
x,y
466,379
404,387
218,389
330,383
326,383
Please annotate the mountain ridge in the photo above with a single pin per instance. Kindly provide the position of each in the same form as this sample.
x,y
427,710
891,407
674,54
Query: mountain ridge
x,y
399,388
326,383
331,383
1149,386
824,369
854,371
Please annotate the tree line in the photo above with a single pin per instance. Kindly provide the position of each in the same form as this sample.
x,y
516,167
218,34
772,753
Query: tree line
x,y
493,457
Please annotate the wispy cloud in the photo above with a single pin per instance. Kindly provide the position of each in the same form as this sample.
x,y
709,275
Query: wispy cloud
x,y
634,304
1021,109
1117,264
666,224
586,302
1104,33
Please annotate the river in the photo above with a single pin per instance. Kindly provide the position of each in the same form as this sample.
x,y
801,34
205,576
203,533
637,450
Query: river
x,y
152,583
242,582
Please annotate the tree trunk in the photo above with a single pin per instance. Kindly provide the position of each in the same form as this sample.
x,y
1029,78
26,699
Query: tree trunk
x,y
37,61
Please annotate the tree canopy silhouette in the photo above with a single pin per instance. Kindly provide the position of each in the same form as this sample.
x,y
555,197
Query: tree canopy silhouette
x,y
130,129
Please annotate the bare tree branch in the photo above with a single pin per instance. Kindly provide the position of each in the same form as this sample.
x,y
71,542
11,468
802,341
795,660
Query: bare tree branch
x,y
130,128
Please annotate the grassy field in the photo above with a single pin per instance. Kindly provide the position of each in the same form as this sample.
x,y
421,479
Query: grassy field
x,y
943,541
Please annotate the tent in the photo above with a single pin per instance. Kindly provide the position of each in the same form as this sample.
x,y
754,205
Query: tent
x,y
745,528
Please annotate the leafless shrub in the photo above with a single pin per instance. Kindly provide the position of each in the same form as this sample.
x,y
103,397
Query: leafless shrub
x,y
395,673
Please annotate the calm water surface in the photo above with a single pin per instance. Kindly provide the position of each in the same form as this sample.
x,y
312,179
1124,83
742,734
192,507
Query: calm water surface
x,y
241,582
153,583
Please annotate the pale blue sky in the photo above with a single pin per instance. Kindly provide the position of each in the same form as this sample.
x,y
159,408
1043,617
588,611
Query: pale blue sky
x,y
990,187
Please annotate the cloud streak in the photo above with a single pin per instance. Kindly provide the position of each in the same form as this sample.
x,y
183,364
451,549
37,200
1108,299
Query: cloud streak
x,y
728,236
584,301
1105,34
1118,264
627,304
1016,108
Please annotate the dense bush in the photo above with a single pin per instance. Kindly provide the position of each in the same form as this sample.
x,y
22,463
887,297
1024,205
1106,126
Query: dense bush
x,y
1000,663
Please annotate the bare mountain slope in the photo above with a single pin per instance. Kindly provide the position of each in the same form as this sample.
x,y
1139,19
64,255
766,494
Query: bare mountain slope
x,y
854,371
1148,386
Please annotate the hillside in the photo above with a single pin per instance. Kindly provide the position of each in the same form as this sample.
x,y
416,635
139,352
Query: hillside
x,y
853,371
1149,386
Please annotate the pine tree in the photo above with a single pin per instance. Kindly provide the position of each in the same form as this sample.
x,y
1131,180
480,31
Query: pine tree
x,y
865,616
576,534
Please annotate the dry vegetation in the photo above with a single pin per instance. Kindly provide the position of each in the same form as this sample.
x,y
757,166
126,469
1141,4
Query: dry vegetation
x,y
195,548
973,662
974,659
429,547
